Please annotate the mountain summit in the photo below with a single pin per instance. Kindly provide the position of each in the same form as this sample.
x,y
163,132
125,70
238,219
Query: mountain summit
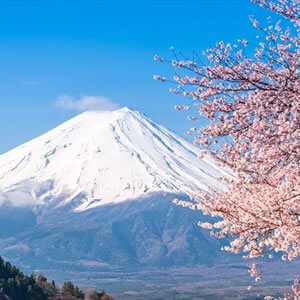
x,y
102,157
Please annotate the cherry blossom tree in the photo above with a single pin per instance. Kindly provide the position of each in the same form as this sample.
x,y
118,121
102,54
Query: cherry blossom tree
x,y
252,108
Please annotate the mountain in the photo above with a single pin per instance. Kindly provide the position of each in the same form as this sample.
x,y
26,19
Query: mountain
x,y
97,191
103,157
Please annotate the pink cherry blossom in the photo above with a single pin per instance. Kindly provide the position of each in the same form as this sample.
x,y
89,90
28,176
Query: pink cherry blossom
x,y
252,105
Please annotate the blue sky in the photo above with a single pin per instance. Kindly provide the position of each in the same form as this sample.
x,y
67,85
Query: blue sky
x,y
60,57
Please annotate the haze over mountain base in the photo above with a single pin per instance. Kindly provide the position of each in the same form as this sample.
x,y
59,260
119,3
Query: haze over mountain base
x,y
141,249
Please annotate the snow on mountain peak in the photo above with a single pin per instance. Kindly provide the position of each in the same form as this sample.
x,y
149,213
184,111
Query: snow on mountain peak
x,y
102,157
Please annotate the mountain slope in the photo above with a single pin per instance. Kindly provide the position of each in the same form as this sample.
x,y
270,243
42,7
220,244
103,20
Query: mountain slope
x,y
97,191
149,232
98,158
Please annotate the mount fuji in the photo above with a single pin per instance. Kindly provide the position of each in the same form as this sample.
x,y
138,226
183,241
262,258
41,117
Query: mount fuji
x,y
99,158
97,191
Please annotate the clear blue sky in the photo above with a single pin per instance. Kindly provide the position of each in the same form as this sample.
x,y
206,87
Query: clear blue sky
x,y
101,48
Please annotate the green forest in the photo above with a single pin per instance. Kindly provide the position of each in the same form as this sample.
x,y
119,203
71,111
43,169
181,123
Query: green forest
x,y
15,285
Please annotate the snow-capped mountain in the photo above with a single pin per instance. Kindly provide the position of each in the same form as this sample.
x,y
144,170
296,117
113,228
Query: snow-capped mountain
x,y
97,191
102,157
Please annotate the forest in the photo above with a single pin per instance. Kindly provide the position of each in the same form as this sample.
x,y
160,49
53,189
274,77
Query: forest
x,y
15,285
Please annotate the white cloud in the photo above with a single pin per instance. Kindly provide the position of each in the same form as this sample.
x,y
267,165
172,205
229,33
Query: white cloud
x,y
85,103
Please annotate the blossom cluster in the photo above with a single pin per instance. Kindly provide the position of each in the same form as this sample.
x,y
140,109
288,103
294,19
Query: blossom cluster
x,y
252,105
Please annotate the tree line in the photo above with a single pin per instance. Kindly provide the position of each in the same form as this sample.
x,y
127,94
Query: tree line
x,y
15,285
